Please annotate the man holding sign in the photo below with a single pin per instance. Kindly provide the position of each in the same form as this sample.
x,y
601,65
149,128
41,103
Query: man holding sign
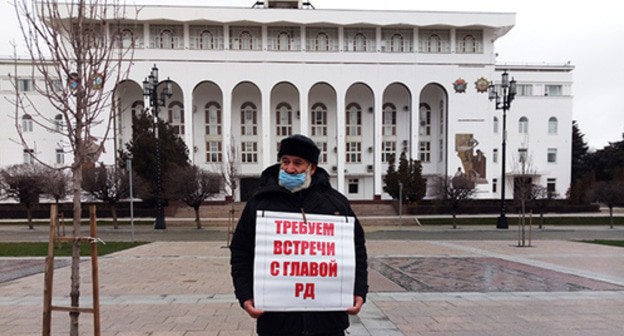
x,y
298,254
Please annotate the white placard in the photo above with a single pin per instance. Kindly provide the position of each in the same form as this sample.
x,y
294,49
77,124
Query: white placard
x,y
303,263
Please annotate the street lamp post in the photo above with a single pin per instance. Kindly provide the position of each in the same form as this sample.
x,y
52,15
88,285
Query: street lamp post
x,y
503,102
150,90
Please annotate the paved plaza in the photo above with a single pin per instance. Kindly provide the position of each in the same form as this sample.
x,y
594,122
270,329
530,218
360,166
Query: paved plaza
x,y
418,287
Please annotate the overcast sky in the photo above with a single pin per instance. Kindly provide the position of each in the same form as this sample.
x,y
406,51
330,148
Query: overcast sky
x,y
589,34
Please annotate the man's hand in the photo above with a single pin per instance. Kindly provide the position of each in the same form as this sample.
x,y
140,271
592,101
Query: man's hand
x,y
252,311
358,301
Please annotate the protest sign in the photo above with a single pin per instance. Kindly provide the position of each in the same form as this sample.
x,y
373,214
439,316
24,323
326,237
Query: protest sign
x,y
303,262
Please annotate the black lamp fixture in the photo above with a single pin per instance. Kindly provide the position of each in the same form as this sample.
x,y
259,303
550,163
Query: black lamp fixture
x,y
503,102
150,90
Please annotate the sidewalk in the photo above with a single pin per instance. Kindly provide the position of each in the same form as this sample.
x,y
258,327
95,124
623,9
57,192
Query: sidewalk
x,y
421,288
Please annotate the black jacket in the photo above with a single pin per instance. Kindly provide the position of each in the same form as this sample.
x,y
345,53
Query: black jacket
x,y
319,198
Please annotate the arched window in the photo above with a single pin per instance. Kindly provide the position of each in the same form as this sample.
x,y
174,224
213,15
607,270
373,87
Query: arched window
x,y
359,42
523,125
321,43
127,38
396,43
245,41
166,39
283,119
354,120
212,111
176,117
27,123
137,108
249,120
552,125
283,41
469,44
434,43
58,122
206,40
495,124
318,120
389,120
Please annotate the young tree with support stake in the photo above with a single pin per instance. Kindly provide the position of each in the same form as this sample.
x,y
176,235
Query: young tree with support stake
x,y
75,67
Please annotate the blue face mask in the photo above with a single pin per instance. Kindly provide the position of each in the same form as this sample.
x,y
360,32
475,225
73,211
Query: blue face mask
x,y
291,181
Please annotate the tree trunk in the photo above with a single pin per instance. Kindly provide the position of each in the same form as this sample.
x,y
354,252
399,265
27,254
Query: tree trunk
x,y
611,217
75,260
197,220
29,215
114,213
454,221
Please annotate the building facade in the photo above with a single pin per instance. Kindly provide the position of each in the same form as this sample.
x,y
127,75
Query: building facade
x,y
364,85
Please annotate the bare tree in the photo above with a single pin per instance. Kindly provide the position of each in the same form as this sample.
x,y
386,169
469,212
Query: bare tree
x,y
108,184
453,191
24,183
193,185
75,67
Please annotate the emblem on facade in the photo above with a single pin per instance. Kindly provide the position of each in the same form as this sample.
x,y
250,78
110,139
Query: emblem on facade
x,y
460,85
482,85
97,81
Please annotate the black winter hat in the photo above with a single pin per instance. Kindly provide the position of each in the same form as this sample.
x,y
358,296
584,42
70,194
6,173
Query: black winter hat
x,y
301,146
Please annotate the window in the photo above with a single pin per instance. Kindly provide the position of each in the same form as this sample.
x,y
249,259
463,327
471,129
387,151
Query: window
x,y
167,36
552,125
213,118
213,151
29,156
494,185
283,41
425,151
388,151
495,124
175,117
249,152
469,41
354,120
523,125
283,120
58,122
354,152
396,40
249,122
434,41
389,120
127,35
495,155
552,155
553,90
551,186
318,120
206,37
321,43
25,85
359,39
353,186
524,90
322,39
245,38
56,85
27,123
60,156
425,119
359,42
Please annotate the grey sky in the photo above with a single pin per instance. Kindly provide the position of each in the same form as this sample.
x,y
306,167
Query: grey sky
x,y
586,33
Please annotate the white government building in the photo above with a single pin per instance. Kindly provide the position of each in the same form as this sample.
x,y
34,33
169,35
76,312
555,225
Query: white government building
x,y
363,84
